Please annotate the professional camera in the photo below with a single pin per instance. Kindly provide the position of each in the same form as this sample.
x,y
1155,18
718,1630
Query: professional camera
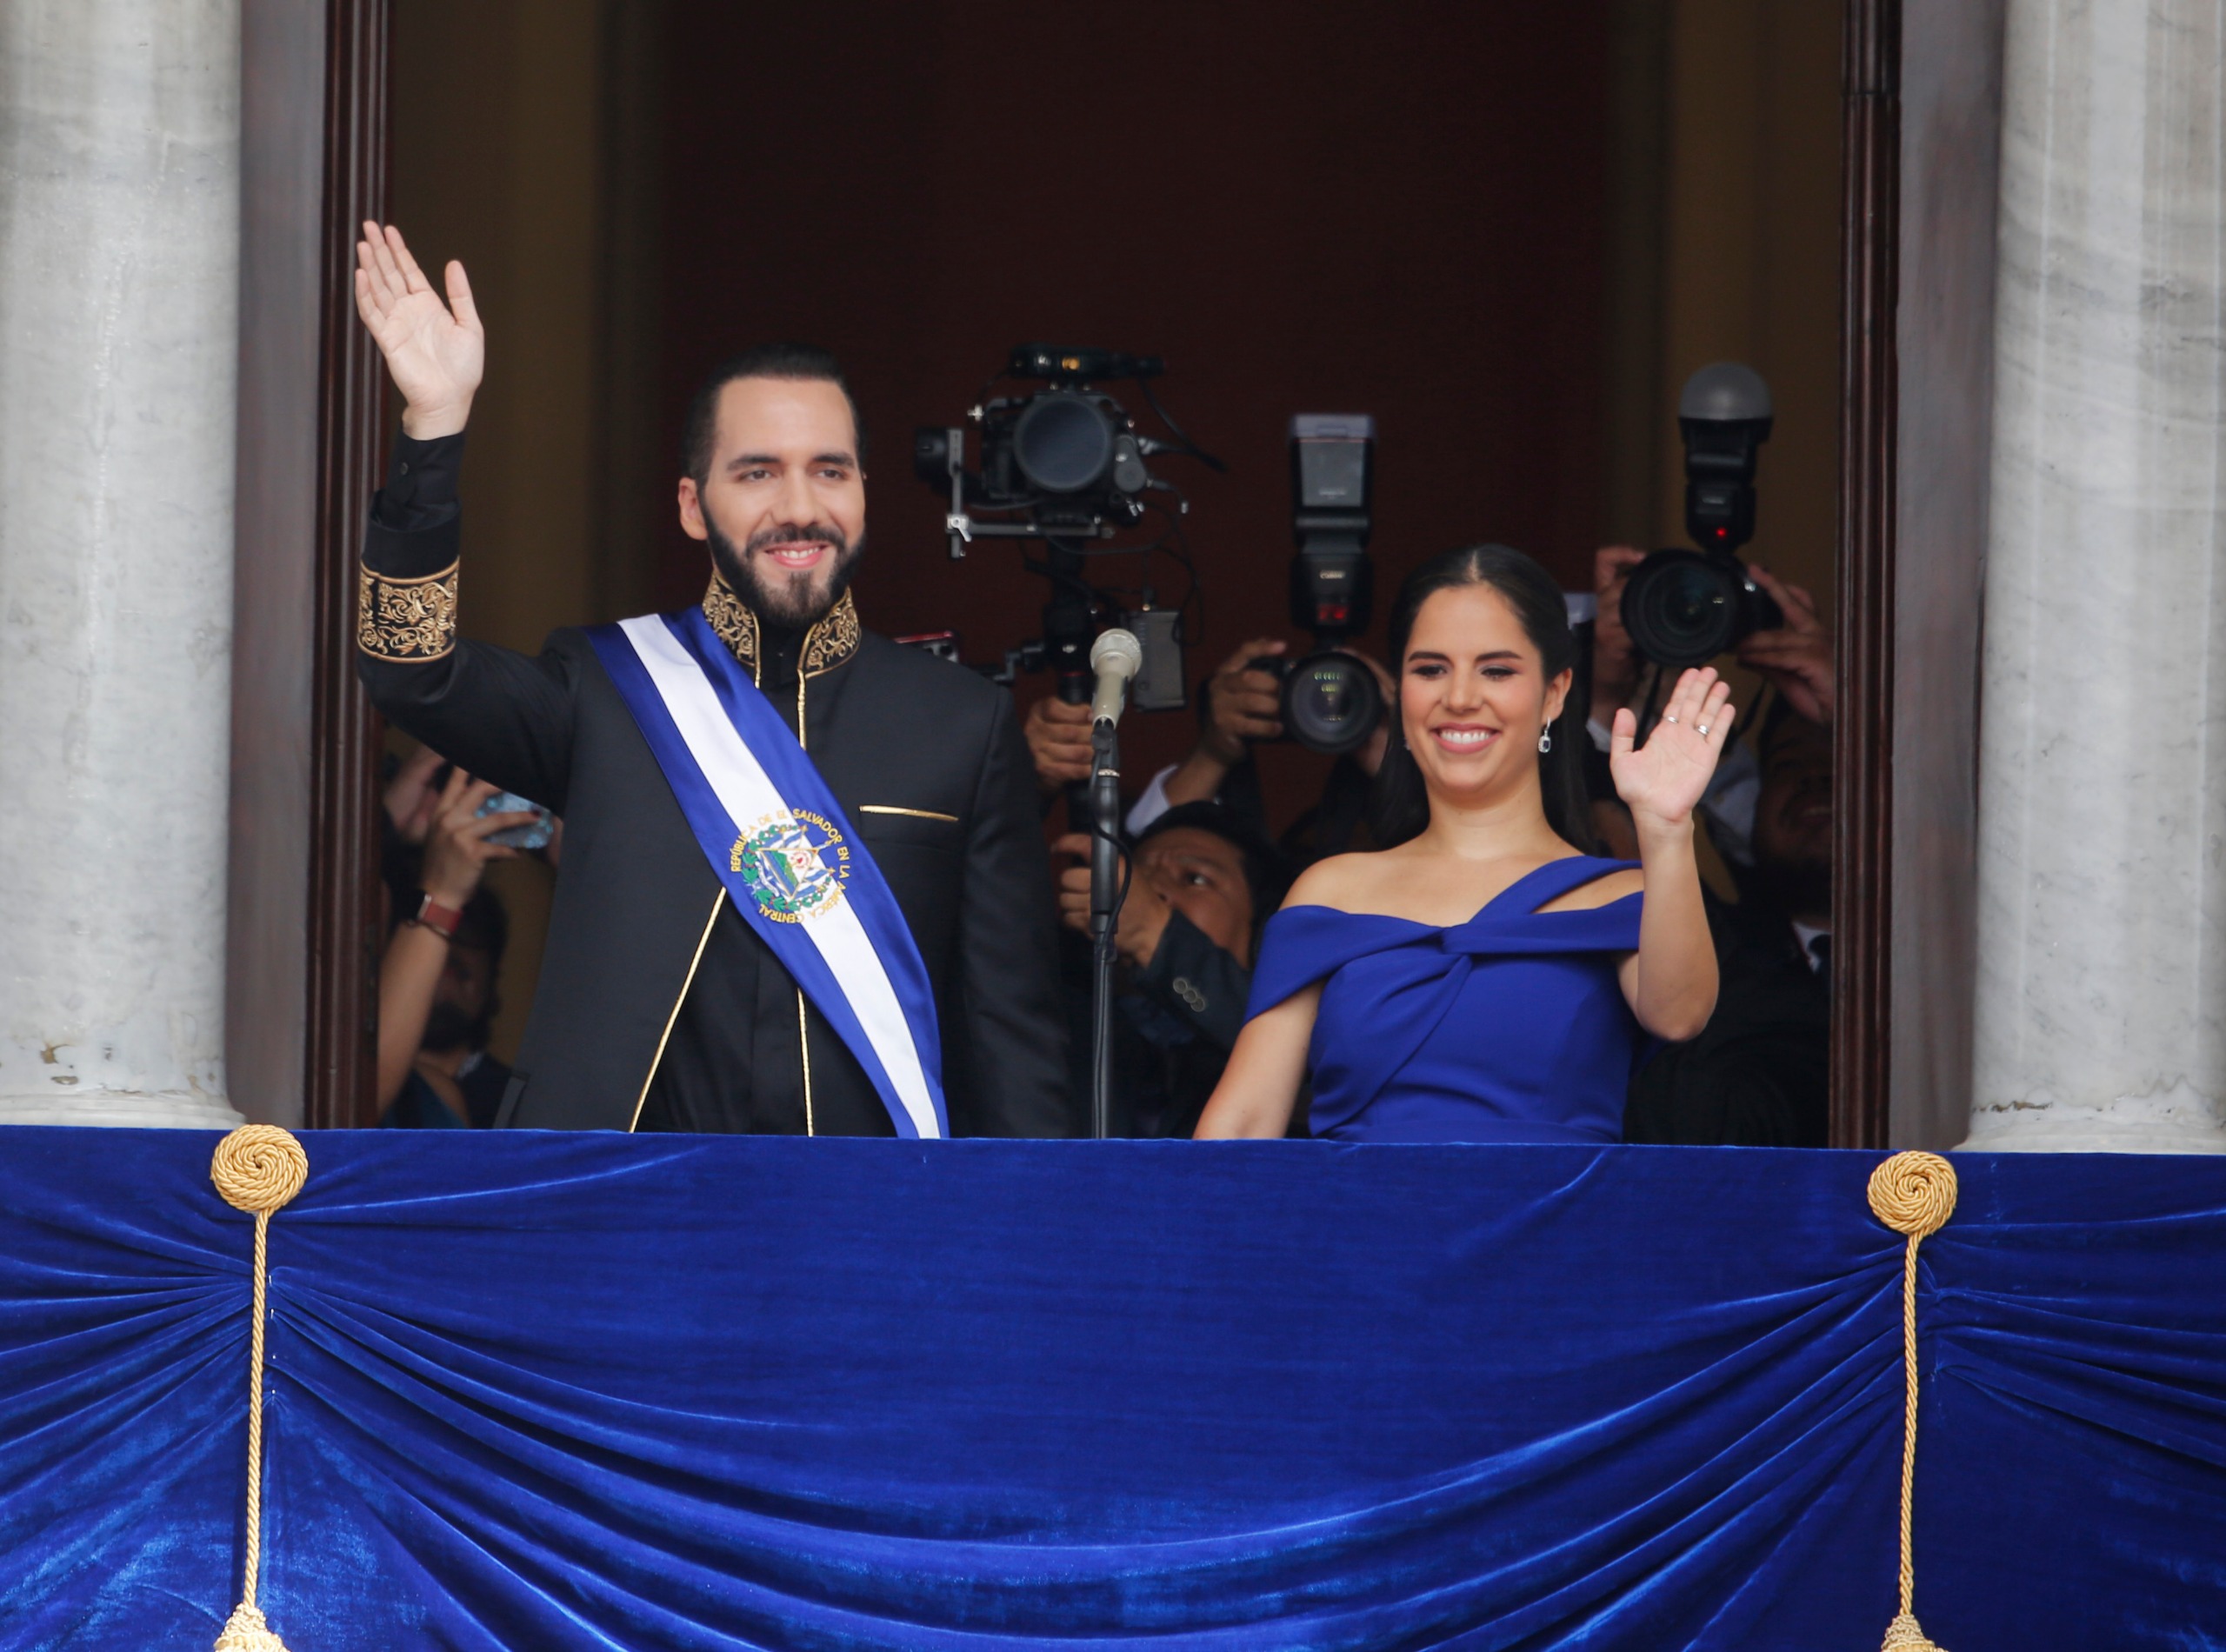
x,y
1068,458
1330,700
1684,607
1064,464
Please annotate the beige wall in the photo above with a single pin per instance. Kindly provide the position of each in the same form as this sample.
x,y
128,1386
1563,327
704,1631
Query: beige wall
x,y
1750,254
495,146
499,141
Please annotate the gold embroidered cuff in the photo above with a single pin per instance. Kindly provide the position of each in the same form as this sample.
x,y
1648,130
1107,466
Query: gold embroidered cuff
x,y
407,621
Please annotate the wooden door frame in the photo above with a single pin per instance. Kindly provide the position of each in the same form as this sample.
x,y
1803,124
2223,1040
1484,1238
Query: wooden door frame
x,y
1863,800
344,935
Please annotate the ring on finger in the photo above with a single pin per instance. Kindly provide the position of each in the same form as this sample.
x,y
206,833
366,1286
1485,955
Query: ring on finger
x,y
1700,728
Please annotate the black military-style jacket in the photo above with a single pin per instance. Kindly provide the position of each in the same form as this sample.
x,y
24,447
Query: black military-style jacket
x,y
658,1005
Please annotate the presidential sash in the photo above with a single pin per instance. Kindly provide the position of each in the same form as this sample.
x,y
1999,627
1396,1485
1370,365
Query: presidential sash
x,y
789,858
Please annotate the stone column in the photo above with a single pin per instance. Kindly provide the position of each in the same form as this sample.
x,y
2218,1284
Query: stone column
x,y
2101,957
119,253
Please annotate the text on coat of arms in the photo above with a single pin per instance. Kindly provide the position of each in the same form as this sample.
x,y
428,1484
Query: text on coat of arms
x,y
795,865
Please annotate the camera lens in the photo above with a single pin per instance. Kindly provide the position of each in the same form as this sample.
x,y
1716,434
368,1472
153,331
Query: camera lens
x,y
1331,703
1063,442
1681,608
931,453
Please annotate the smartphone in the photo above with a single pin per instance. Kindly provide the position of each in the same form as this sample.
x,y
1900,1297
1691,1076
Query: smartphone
x,y
535,834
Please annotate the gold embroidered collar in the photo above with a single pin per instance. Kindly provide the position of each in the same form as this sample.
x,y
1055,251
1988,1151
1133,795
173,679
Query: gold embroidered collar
x,y
833,640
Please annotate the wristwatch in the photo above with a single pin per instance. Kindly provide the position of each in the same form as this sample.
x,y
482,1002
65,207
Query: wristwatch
x,y
441,920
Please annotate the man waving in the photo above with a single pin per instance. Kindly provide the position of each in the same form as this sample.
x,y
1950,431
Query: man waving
x,y
804,889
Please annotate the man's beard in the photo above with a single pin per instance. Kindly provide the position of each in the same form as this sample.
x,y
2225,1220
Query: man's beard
x,y
783,598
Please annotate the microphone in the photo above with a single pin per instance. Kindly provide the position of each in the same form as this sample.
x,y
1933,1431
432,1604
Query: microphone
x,y
1115,657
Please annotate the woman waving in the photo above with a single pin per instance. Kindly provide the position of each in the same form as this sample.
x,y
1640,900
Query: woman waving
x,y
1480,978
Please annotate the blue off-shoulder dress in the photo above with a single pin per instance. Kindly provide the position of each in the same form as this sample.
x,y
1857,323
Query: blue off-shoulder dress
x,y
1508,1028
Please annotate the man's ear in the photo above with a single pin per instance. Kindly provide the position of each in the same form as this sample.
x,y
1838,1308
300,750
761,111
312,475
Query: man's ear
x,y
691,510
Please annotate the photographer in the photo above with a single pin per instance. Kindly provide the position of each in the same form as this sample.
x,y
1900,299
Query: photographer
x,y
436,980
1329,696
1201,884
1795,659
1757,1074
1240,705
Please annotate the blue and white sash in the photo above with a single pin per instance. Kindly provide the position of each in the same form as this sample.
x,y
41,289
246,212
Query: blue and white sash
x,y
780,843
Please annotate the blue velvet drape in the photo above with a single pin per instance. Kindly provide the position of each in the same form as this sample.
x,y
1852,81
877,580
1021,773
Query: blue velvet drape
x,y
538,1392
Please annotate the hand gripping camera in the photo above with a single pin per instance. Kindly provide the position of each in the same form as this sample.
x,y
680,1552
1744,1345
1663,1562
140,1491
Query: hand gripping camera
x,y
1684,607
1330,701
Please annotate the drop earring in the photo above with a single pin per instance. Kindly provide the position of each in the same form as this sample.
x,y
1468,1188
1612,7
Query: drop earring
x,y
1545,741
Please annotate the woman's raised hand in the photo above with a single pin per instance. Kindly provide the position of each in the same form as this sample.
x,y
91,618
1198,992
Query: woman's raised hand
x,y
437,352
458,848
1663,780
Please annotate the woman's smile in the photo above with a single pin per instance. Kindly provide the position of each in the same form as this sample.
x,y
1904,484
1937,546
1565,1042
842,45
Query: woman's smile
x,y
1463,738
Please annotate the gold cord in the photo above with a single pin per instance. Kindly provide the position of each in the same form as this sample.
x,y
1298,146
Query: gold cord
x,y
804,1026
803,1043
257,1168
1913,1194
916,814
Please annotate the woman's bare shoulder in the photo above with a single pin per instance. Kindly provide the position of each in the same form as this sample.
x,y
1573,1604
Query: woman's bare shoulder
x,y
1341,881
1601,891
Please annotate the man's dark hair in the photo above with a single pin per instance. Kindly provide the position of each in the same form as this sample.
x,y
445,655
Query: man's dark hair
x,y
701,432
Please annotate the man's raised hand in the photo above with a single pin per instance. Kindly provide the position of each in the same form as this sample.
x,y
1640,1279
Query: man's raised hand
x,y
437,352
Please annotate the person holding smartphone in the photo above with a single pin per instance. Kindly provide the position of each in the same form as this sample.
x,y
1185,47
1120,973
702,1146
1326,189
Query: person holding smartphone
x,y
436,980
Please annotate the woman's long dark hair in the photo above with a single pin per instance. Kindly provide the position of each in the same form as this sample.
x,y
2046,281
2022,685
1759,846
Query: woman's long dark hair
x,y
1400,806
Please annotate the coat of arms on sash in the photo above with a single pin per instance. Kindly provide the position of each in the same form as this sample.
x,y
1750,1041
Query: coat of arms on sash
x,y
795,865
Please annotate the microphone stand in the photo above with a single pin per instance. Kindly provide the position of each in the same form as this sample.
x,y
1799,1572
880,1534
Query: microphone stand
x,y
1069,630
1104,899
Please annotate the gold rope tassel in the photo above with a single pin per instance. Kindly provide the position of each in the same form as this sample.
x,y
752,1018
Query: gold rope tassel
x,y
1914,1194
258,1168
